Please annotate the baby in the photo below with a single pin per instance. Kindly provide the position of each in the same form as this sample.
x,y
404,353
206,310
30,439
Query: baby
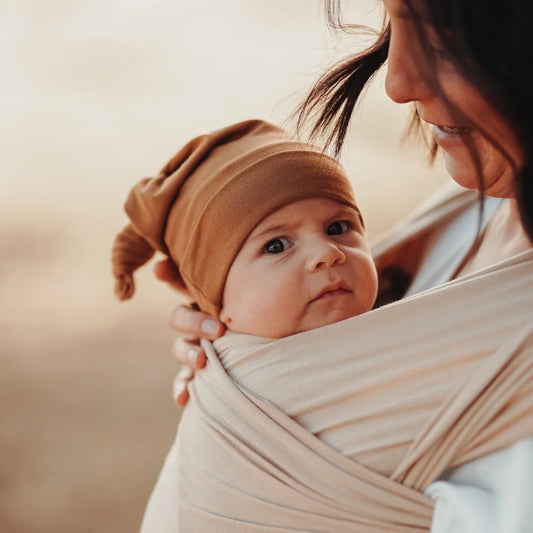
x,y
265,232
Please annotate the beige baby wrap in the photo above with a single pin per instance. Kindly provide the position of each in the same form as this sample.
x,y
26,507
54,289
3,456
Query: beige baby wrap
x,y
343,427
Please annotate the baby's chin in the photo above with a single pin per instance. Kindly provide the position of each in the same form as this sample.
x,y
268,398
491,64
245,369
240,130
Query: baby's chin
x,y
312,319
327,318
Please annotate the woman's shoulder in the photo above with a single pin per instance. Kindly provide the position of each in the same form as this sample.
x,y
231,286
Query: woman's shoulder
x,y
429,244
444,204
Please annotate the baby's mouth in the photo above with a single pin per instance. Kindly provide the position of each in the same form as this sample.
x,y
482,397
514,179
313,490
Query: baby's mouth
x,y
330,294
330,291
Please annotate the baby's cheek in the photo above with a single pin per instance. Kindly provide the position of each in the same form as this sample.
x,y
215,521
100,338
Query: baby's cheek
x,y
272,306
279,313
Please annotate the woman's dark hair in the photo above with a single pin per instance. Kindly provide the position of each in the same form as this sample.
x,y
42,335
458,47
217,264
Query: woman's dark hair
x,y
491,44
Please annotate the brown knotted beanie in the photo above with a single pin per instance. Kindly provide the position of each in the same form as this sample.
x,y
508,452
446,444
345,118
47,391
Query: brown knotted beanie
x,y
210,196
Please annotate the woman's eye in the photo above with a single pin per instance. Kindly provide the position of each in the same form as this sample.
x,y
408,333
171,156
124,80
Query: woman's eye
x,y
338,227
435,45
276,246
440,54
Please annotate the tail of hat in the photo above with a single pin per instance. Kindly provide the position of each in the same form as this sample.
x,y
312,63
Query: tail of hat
x,y
130,251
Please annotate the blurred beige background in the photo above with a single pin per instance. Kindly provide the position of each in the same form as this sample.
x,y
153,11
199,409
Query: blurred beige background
x,y
94,96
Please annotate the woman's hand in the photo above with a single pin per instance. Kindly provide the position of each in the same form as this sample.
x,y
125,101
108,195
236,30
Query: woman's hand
x,y
193,325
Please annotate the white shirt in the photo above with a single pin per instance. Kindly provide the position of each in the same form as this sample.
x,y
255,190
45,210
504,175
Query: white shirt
x,y
493,494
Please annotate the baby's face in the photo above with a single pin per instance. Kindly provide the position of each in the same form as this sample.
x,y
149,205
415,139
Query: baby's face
x,y
304,266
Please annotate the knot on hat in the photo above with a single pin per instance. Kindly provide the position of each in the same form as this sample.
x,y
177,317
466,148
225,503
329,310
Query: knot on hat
x,y
130,251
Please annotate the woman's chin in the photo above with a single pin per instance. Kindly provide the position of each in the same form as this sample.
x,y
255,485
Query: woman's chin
x,y
496,177
462,172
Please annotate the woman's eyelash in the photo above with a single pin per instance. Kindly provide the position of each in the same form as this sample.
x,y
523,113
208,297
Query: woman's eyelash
x,y
440,53
436,47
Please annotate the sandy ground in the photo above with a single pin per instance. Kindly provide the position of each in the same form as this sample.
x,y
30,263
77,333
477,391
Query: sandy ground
x,y
94,96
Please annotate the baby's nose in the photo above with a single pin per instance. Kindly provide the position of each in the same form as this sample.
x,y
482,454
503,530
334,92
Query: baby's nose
x,y
324,254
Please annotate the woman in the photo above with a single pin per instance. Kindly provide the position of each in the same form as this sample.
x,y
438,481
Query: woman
x,y
466,64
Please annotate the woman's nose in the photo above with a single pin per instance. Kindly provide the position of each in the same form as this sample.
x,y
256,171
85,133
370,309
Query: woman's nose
x,y
405,80
324,254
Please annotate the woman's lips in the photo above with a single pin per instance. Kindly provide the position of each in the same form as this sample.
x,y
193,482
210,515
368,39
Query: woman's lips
x,y
450,136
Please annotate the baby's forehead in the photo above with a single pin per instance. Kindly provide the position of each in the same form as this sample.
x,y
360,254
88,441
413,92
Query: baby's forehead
x,y
310,209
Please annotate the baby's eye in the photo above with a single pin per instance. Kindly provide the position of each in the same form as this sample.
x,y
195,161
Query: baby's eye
x,y
276,246
338,227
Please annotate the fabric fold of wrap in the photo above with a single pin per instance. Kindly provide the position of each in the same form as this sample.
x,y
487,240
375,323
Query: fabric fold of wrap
x,y
428,383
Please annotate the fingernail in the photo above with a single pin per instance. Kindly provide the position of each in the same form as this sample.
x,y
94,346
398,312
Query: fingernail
x,y
200,360
210,327
179,399
178,392
192,355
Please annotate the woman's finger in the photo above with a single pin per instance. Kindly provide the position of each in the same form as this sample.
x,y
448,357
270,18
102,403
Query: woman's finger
x,y
195,324
179,387
186,373
188,353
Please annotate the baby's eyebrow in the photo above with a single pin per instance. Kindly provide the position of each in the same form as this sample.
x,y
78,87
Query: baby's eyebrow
x,y
349,211
270,229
